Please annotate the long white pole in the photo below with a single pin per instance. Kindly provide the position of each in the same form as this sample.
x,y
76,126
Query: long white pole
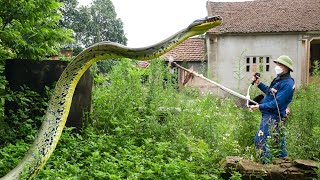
x,y
215,83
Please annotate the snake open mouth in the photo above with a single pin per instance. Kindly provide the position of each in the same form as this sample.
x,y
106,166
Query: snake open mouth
x,y
206,20
214,18
206,23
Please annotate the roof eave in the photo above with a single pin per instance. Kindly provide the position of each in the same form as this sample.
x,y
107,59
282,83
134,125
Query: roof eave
x,y
313,32
263,33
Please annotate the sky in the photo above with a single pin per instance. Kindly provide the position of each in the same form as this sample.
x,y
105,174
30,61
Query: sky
x,y
147,22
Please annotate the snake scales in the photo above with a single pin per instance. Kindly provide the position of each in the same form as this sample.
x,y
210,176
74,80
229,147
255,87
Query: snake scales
x,y
60,102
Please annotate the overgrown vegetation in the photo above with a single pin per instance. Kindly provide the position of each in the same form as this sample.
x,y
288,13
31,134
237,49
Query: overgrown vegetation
x,y
29,29
23,116
304,128
151,129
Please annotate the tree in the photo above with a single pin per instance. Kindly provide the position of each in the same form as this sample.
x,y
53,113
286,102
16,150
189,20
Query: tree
x,y
91,24
74,18
29,29
106,26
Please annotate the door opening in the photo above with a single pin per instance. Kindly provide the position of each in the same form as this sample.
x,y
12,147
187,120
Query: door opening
x,y
314,56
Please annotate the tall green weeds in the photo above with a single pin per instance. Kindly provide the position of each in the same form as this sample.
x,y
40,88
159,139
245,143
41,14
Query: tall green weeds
x,y
144,127
304,123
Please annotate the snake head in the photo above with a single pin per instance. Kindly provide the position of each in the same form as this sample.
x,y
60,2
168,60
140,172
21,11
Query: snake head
x,y
202,25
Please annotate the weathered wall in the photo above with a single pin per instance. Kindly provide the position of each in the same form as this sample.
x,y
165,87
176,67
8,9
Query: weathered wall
x,y
224,52
38,74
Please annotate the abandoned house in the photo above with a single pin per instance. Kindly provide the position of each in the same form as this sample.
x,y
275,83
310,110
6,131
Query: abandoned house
x,y
190,54
254,33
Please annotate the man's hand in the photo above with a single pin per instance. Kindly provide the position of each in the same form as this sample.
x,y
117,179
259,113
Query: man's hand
x,y
255,79
254,107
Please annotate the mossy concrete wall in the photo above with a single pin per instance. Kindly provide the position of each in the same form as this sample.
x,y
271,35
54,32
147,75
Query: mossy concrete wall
x,y
38,74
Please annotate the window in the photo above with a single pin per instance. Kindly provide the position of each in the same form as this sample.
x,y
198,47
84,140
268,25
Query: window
x,y
254,60
258,63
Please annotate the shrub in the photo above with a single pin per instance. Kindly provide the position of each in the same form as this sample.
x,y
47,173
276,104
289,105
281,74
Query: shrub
x,y
148,129
25,117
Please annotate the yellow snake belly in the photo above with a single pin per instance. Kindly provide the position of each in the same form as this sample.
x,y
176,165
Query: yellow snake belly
x,y
60,102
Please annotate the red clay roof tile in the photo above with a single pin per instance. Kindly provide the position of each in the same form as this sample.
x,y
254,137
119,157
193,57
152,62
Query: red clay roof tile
x,y
267,16
191,49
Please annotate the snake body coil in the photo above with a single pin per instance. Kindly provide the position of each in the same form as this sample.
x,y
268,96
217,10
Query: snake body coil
x,y
60,102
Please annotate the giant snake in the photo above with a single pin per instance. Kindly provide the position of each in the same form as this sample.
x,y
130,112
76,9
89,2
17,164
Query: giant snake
x,y
60,102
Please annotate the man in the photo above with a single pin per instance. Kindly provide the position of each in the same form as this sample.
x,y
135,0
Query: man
x,y
270,138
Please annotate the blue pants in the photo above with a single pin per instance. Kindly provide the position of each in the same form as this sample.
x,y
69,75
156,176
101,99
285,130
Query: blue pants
x,y
270,139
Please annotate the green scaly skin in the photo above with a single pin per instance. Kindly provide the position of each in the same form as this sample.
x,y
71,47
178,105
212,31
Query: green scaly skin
x,y
60,102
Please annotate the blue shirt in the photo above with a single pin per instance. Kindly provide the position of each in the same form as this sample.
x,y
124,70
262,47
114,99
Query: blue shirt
x,y
284,85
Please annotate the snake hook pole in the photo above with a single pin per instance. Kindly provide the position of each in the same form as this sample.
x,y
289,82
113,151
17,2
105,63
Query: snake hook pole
x,y
257,76
215,83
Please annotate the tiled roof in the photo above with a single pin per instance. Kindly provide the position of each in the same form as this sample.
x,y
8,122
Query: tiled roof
x,y
191,49
266,16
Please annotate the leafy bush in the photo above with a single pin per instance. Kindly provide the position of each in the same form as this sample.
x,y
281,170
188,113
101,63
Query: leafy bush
x,y
11,154
24,121
146,128
304,123
3,83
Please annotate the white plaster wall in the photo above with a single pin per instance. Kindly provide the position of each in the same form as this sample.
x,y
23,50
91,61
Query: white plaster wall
x,y
230,47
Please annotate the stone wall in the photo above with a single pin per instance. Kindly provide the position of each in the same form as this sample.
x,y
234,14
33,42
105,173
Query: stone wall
x,y
279,169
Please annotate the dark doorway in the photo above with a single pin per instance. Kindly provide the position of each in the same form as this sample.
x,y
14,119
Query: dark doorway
x,y
314,56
